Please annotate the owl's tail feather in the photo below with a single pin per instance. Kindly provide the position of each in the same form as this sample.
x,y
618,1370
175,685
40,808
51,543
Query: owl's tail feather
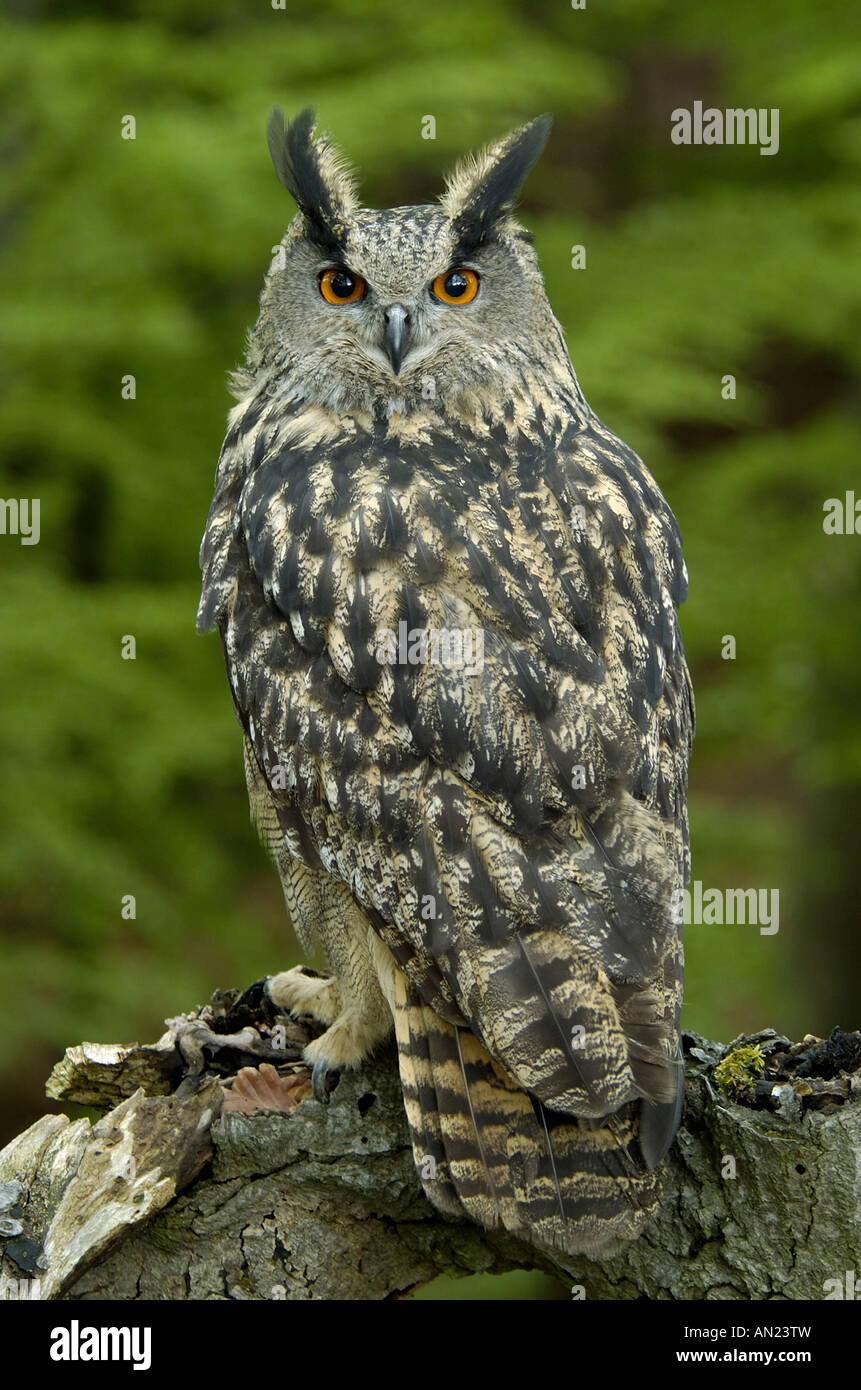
x,y
485,1148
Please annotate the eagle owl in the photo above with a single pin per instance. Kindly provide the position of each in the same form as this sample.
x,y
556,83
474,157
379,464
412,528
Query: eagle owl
x,y
447,596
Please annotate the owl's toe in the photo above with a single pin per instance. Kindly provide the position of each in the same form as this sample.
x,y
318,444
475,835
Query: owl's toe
x,y
305,991
324,1080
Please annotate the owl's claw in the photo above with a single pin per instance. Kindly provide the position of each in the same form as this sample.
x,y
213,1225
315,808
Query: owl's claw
x,y
323,1081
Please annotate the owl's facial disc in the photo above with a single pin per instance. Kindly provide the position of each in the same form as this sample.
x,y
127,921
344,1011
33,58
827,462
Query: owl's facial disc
x,y
396,328
400,316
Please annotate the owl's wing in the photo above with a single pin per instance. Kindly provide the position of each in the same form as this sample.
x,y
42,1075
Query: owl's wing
x,y
514,825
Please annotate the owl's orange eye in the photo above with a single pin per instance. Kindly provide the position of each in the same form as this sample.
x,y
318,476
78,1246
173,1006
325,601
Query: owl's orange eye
x,y
340,286
456,286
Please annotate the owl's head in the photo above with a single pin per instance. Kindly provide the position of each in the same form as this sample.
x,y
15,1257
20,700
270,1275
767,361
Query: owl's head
x,y
369,309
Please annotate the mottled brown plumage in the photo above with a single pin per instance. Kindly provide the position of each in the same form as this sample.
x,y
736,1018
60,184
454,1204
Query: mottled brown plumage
x,y
487,848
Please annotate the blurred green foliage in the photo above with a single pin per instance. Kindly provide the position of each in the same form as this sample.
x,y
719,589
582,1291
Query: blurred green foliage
x,y
146,257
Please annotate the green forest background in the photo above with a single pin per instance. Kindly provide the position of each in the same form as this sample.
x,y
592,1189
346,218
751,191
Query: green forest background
x,y
146,257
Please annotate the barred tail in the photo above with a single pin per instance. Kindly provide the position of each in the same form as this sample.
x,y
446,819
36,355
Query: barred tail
x,y
486,1148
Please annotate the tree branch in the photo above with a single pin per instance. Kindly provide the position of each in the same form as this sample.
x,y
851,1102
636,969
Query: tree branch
x,y
175,1193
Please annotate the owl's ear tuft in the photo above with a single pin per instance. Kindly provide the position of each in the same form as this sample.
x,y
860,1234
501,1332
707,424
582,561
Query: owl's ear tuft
x,y
483,188
314,174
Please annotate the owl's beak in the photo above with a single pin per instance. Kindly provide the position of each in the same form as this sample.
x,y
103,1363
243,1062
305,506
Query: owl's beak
x,y
397,334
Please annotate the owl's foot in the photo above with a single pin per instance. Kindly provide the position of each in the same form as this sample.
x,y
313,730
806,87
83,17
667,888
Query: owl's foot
x,y
355,1020
302,991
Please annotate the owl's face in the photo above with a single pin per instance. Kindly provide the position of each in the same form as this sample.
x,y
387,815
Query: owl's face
x,y
369,310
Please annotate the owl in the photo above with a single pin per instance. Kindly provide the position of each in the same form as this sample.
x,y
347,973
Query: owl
x,y
447,596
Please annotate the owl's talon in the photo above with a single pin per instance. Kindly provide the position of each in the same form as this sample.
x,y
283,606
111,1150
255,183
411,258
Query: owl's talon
x,y
323,1081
